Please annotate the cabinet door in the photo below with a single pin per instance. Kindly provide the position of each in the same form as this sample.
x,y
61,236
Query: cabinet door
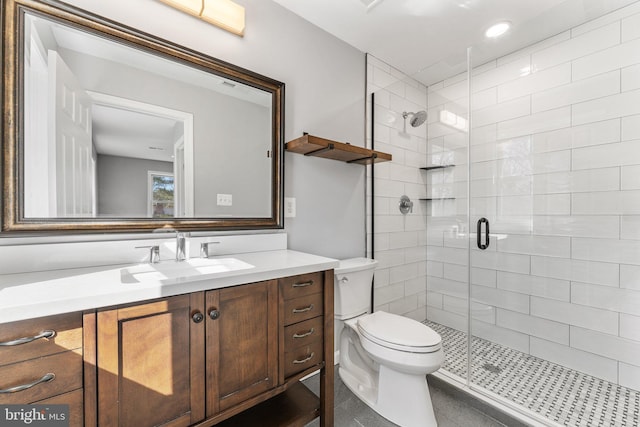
x,y
242,343
151,363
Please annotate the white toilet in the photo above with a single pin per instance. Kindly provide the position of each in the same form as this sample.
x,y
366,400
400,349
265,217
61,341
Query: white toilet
x,y
384,358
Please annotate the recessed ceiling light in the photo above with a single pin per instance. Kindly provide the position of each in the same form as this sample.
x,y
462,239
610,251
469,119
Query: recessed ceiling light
x,y
496,30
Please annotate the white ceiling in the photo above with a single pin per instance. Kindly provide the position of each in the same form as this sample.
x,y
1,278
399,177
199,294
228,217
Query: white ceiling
x,y
428,39
127,133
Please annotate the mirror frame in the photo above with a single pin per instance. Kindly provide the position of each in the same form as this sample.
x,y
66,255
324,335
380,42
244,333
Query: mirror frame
x,y
12,204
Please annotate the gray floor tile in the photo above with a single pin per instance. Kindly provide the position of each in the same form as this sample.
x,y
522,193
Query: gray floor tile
x,y
352,412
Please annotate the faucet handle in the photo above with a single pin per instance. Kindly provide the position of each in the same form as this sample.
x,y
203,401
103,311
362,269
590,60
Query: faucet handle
x,y
204,248
154,253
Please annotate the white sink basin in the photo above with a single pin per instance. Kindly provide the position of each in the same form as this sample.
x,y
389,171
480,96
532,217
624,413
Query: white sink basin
x,y
176,270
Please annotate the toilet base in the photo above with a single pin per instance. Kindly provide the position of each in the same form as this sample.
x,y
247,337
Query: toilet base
x,y
401,398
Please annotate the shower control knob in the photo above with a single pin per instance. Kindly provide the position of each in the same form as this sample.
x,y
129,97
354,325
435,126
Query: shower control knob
x,y
405,205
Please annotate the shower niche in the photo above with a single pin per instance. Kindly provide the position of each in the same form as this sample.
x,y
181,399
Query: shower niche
x,y
435,168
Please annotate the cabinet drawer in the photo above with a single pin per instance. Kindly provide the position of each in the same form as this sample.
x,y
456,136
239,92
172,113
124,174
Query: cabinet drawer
x,y
67,368
303,333
301,358
303,308
76,408
22,342
298,286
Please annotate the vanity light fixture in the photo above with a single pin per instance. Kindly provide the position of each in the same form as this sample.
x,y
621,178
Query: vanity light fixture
x,y
222,13
496,30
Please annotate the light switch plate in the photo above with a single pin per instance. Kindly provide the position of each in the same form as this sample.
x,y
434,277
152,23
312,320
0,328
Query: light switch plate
x,y
225,199
289,207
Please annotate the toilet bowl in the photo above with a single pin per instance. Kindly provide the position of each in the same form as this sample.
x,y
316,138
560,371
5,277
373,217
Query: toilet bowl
x,y
384,358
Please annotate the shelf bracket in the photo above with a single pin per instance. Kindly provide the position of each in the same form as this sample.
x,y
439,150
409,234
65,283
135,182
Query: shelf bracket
x,y
320,150
373,156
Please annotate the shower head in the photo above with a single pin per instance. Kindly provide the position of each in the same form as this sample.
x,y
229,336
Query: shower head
x,y
418,118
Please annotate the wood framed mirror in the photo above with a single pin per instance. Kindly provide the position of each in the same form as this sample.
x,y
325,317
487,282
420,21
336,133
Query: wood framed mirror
x,y
108,129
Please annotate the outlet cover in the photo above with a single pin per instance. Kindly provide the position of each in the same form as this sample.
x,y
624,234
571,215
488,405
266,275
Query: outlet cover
x,y
289,207
225,199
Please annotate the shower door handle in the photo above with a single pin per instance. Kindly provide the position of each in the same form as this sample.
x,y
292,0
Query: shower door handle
x,y
486,233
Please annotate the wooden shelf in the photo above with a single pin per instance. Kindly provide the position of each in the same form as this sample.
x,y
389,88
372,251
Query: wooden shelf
x,y
428,168
310,145
295,407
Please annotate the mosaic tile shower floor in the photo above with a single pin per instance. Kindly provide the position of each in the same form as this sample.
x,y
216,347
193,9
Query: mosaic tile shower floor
x,y
560,394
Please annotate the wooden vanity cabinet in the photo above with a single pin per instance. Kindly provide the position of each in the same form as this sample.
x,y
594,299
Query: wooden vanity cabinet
x,y
150,363
241,344
301,311
305,341
45,353
229,357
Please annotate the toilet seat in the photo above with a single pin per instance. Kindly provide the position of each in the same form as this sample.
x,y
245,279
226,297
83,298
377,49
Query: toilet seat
x,y
398,333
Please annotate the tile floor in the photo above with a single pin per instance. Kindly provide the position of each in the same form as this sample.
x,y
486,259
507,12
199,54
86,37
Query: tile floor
x,y
565,396
562,395
450,411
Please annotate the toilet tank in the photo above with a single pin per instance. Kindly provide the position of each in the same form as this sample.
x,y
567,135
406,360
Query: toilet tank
x,y
352,291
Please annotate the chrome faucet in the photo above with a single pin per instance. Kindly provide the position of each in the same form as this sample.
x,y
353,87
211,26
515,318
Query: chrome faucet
x,y
181,246
154,253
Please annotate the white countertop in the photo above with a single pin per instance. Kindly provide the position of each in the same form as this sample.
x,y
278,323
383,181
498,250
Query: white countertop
x,y
37,294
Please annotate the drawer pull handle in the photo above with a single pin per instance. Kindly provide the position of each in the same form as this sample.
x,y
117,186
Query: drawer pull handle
x,y
303,284
43,334
302,310
45,379
306,334
305,360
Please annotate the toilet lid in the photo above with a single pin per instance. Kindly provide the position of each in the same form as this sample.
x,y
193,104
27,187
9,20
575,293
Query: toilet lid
x,y
398,332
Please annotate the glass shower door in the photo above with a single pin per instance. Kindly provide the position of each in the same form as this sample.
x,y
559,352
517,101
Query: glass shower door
x,y
502,167
554,209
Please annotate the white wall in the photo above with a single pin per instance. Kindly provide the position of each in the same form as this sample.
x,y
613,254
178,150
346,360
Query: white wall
x,y
123,182
555,155
324,80
399,240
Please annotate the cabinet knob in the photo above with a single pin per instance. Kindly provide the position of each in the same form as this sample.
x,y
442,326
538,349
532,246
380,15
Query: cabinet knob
x,y
214,314
197,317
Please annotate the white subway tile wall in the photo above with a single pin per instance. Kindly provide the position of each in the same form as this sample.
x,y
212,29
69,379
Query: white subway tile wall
x,y
400,242
555,167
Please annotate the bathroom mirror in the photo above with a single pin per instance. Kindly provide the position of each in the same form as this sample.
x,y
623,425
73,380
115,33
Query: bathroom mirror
x,y
107,129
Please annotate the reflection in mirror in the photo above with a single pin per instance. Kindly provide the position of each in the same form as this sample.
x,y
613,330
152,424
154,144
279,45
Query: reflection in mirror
x,y
114,131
